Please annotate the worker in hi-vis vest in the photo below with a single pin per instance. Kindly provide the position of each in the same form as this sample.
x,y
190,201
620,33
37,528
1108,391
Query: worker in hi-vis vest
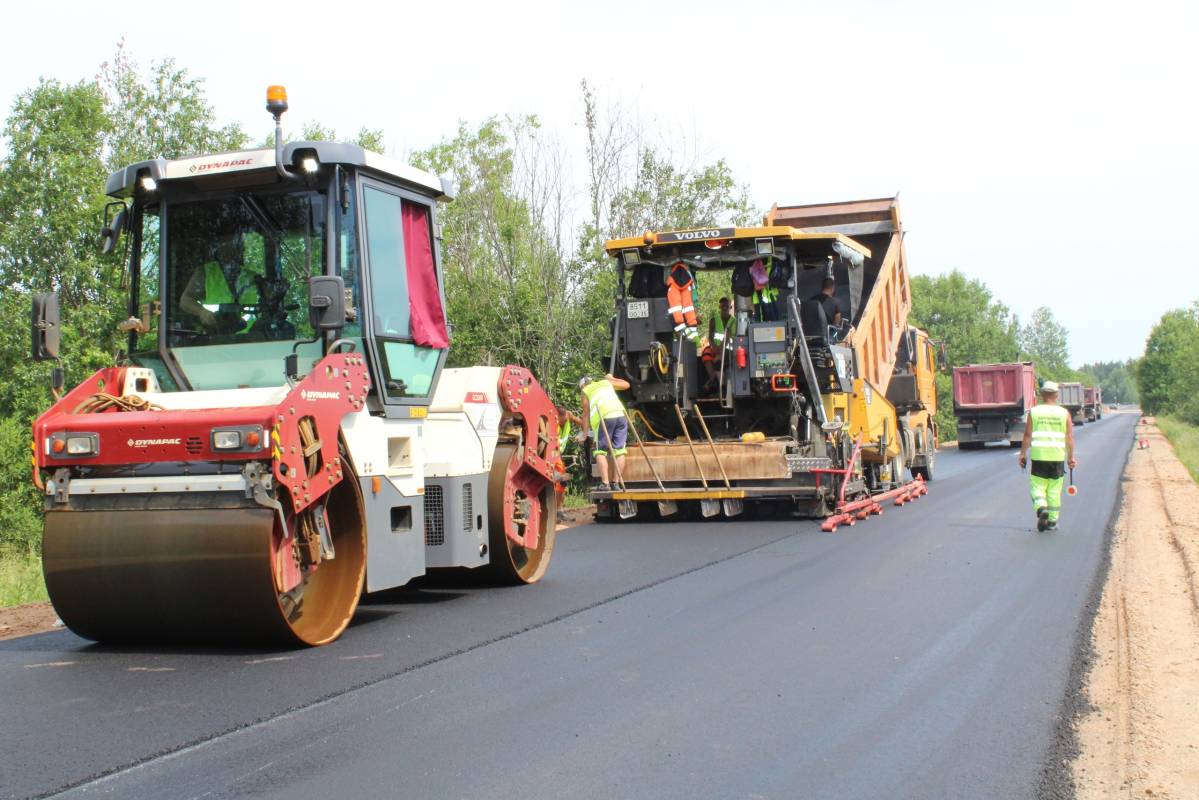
x,y
602,406
209,296
1049,443
723,326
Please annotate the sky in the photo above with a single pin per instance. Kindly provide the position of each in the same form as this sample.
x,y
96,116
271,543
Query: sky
x,y
1046,148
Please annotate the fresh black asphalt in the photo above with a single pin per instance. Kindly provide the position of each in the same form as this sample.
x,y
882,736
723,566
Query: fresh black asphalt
x,y
922,654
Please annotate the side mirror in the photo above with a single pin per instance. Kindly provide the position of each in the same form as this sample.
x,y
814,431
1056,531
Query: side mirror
x,y
327,302
110,234
45,326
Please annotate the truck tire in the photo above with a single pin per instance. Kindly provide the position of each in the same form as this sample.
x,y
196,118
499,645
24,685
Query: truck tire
x,y
925,472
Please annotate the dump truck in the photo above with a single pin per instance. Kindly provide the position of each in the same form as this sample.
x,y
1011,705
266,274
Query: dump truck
x,y
787,407
1092,403
1072,397
991,402
283,435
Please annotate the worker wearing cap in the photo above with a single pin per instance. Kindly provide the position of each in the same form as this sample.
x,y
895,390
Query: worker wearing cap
x,y
600,404
1049,443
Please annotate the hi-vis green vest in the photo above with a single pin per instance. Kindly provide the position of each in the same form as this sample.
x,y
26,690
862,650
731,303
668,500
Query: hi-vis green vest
x,y
217,291
721,333
601,396
1048,433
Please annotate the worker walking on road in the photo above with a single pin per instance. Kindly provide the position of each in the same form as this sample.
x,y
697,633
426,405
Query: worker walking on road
x,y
1049,442
602,406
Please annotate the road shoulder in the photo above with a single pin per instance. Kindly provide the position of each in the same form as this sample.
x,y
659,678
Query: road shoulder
x,y
1140,735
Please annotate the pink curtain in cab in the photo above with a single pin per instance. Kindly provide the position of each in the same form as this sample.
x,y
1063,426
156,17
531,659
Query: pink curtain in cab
x,y
424,301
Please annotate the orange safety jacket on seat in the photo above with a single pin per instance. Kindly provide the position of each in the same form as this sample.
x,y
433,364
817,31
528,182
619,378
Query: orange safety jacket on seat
x,y
682,305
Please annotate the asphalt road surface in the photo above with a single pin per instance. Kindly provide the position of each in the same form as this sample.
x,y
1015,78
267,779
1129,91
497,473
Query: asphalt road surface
x,y
922,654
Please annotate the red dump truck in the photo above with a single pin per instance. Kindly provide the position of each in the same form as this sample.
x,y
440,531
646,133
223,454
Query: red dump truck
x,y
1092,403
1071,398
991,402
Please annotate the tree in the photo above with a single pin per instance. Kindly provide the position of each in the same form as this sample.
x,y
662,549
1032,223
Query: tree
x,y
1047,343
1166,374
165,113
512,285
961,312
975,328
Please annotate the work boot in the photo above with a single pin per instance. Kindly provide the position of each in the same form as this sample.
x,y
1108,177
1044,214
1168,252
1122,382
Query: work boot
x,y
1052,525
1042,524
603,487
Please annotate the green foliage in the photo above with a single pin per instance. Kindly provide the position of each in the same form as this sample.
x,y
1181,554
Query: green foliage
x,y
1184,436
1168,373
1117,379
512,287
367,138
663,197
961,312
164,113
975,328
21,578
1045,341
20,502
947,423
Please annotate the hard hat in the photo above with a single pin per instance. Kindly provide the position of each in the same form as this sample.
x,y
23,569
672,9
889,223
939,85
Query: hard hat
x,y
1049,387
583,381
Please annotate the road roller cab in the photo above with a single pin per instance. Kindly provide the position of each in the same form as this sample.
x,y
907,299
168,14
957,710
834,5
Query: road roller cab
x,y
282,435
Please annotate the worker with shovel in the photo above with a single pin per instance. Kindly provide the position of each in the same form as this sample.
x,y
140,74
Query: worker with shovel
x,y
1049,442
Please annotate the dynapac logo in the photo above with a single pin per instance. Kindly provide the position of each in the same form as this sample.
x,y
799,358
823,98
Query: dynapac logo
x,y
308,394
211,165
151,442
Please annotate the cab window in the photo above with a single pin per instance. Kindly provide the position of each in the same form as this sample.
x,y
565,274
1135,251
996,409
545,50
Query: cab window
x,y
406,306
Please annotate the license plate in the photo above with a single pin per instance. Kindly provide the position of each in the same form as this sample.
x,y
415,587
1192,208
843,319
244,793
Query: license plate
x,y
639,309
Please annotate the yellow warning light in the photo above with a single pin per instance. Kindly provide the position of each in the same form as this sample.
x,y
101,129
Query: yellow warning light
x,y
276,100
650,237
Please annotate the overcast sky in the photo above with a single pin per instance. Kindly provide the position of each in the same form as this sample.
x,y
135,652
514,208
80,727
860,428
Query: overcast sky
x,y
1048,148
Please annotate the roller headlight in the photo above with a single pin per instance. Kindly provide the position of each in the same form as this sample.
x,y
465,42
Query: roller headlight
x,y
73,445
226,440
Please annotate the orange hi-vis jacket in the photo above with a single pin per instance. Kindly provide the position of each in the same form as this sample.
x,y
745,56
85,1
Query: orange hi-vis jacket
x,y
682,305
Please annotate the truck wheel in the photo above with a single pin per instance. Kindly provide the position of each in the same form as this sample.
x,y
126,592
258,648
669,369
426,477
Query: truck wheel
x,y
925,472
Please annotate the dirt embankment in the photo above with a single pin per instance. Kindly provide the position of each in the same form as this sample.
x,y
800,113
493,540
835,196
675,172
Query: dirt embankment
x,y
1142,737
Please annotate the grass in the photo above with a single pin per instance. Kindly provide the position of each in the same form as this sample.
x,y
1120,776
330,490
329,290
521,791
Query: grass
x,y
21,578
574,499
1185,438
